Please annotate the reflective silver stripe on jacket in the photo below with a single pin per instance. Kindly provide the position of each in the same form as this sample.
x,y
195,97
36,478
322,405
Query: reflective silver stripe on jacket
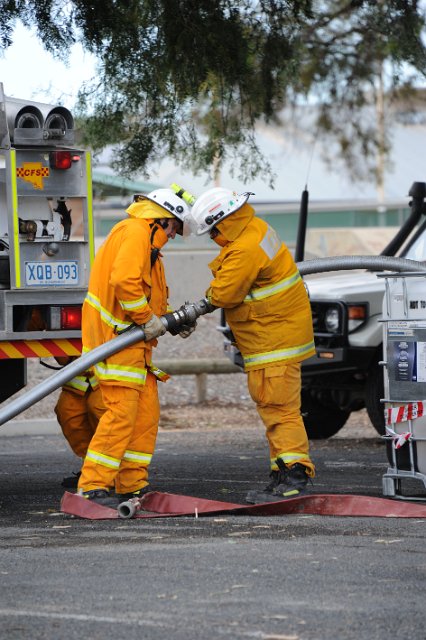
x,y
131,305
279,354
107,371
106,316
271,290
270,243
79,382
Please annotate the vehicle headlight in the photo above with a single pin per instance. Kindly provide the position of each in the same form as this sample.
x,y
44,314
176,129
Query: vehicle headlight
x,y
332,320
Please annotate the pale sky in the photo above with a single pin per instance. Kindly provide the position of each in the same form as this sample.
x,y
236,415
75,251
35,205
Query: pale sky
x,y
27,71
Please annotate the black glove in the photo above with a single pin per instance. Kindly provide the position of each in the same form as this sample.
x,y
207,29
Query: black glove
x,y
186,330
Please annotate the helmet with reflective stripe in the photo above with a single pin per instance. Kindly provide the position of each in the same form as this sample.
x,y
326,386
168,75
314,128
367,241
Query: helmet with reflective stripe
x,y
172,204
215,205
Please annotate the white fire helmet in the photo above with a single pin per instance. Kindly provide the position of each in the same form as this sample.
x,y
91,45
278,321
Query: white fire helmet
x,y
168,200
213,206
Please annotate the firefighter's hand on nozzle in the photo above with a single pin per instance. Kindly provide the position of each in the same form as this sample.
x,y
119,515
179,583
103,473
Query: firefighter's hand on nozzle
x,y
153,328
187,329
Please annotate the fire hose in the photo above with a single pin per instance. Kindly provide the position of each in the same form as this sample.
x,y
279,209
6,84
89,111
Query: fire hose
x,y
186,314
163,505
346,263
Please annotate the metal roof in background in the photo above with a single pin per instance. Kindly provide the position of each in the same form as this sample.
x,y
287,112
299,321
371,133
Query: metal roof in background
x,y
115,183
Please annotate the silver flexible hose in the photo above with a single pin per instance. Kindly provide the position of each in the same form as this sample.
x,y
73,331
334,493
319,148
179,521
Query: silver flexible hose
x,y
346,263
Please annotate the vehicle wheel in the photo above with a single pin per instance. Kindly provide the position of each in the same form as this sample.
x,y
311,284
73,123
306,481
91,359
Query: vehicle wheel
x,y
321,421
373,393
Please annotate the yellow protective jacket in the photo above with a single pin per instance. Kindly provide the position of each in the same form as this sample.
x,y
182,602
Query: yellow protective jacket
x,y
125,289
80,384
257,282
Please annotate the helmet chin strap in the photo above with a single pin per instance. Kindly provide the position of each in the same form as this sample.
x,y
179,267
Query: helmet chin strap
x,y
154,228
163,222
155,251
158,222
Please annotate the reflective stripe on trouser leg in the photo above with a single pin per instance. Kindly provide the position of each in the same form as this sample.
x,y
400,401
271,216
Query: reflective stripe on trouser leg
x,y
72,412
133,474
111,439
276,392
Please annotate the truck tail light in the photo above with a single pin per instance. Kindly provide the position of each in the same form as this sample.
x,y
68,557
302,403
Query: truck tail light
x,y
67,317
60,159
70,317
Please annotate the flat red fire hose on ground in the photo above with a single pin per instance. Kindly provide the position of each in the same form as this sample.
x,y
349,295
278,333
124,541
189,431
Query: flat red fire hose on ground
x,y
162,505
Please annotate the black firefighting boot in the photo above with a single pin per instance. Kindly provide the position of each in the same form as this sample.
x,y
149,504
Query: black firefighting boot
x,y
254,495
71,482
123,497
291,483
102,497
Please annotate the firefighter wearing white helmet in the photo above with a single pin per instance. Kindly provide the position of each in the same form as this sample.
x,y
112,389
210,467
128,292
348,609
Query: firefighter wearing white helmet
x,y
127,286
256,282
215,205
172,206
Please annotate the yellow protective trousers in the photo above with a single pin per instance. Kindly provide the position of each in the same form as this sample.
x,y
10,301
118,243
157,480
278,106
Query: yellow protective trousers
x,y
78,416
121,449
276,392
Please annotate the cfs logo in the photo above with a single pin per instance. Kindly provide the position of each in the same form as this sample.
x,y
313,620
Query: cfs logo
x,y
33,172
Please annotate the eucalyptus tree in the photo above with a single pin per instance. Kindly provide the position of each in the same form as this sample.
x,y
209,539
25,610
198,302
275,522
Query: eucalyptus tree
x,y
192,79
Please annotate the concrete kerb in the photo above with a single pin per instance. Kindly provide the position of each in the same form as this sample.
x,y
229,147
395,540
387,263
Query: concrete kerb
x,y
38,427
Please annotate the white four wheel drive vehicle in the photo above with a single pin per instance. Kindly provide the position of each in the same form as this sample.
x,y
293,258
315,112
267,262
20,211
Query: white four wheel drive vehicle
x,y
346,374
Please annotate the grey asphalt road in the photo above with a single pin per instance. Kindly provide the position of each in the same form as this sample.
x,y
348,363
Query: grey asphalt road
x,y
294,577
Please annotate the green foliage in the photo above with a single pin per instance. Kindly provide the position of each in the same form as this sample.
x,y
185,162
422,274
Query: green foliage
x,y
191,79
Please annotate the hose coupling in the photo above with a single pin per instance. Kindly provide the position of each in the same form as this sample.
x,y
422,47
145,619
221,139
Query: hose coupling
x,y
186,314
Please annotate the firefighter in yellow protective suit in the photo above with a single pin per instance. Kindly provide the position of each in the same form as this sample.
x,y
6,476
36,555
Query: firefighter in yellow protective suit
x,y
78,410
127,286
257,283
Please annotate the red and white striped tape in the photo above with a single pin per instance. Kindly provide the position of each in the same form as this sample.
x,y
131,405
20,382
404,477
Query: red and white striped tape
x,y
410,411
399,439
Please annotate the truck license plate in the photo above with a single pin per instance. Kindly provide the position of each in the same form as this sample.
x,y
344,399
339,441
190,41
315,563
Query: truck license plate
x,y
51,273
